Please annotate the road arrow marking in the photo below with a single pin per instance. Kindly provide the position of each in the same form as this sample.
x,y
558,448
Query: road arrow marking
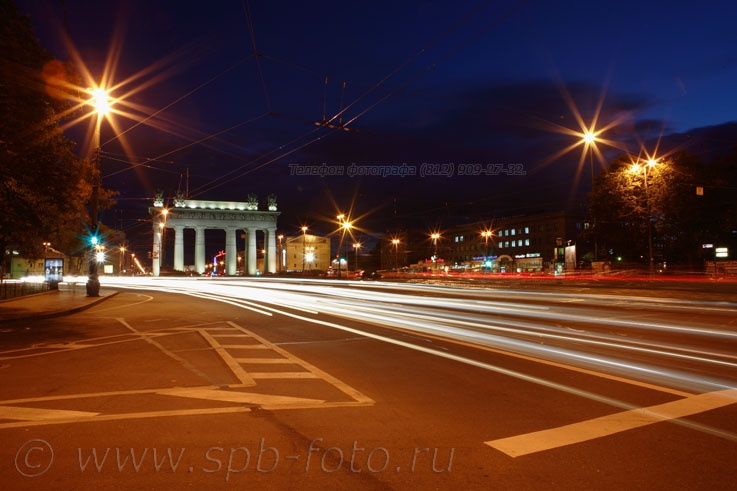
x,y
539,441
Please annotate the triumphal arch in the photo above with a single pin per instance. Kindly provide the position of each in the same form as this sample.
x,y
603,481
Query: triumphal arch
x,y
230,216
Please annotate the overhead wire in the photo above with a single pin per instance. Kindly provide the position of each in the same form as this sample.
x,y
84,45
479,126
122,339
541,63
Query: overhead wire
x,y
463,20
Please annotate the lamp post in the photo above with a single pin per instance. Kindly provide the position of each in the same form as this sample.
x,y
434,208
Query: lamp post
x,y
345,226
281,252
645,170
304,247
356,246
121,256
589,140
101,103
395,243
435,236
486,234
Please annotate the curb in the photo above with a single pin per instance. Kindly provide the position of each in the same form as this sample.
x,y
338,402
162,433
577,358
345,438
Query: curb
x,y
58,313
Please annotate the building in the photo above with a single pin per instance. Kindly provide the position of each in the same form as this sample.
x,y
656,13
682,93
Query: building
x,y
525,243
304,252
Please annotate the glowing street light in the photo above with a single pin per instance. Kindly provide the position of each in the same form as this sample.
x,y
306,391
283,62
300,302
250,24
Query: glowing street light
x,y
395,243
345,226
304,246
357,247
435,236
121,255
281,252
636,168
102,104
486,234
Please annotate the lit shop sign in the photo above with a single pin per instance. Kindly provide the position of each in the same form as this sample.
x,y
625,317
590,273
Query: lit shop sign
x,y
722,252
528,255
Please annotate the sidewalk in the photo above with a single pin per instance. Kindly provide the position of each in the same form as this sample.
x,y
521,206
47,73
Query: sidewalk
x,y
69,298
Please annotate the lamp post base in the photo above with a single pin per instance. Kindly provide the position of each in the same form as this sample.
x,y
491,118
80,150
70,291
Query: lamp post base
x,y
93,287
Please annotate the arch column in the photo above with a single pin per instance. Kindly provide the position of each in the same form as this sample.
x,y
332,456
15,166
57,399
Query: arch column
x,y
156,251
179,248
199,250
231,252
251,232
271,250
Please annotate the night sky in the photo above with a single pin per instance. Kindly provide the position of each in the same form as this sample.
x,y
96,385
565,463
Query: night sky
x,y
413,82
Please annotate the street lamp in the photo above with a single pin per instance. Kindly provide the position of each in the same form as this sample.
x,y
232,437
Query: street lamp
x,y
281,252
121,256
101,103
304,247
486,234
589,140
636,168
395,243
435,236
345,226
356,246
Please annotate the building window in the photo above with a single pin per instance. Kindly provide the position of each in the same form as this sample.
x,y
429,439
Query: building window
x,y
527,242
527,230
506,244
512,232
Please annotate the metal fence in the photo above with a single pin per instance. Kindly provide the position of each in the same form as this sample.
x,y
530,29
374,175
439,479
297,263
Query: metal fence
x,y
13,289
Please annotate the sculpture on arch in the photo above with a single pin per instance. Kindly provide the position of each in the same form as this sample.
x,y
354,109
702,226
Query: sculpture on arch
x,y
179,199
159,199
252,202
272,202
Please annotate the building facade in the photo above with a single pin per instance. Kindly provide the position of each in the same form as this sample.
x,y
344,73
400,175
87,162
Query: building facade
x,y
305,252
525,243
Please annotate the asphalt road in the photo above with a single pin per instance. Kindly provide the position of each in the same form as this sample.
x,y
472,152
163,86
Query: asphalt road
x,y
308,385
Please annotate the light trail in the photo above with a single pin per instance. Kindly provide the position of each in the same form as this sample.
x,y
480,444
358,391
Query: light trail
x,y
534,324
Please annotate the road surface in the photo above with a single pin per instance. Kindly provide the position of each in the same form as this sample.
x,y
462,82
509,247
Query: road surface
x,y
275,384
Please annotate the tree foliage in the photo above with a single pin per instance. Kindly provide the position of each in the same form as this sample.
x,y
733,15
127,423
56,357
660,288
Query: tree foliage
x,y
44,188
629,203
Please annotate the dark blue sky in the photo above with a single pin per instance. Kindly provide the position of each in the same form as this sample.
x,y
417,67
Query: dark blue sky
x,y
425,82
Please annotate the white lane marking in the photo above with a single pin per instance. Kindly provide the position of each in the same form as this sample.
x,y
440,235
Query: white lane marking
x,y
273,375
35,414
241,397
122,416
232,363
539,441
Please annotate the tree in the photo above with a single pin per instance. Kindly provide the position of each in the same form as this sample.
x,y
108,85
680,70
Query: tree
x,y
44,188
633,201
